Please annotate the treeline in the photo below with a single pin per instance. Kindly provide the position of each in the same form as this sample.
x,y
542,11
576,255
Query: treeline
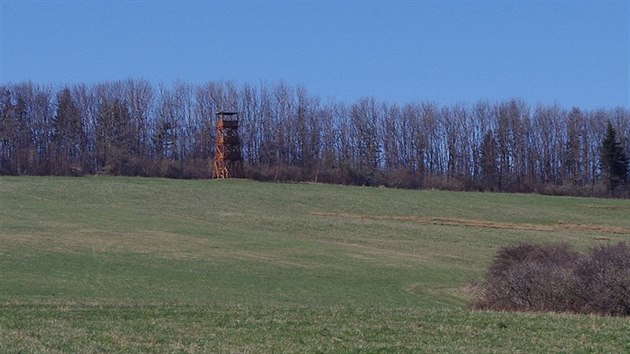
x,y
134,128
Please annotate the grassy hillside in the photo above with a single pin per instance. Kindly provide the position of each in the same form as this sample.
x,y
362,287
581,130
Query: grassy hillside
x,y
101,263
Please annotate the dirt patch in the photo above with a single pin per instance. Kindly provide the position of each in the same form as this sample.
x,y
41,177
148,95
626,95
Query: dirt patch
x,y
472,289
605,207
595,228
561,226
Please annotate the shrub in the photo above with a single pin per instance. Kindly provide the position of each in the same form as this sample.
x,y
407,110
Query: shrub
x,y
604,280
530,278
553,277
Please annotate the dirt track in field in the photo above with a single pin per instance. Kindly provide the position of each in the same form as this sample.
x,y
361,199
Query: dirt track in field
x,y
482,223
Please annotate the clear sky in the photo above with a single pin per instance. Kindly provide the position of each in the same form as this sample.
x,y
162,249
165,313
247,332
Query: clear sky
x,y
569,52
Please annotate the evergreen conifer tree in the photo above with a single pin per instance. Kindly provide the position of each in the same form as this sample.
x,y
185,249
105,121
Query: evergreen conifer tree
x,y
614,161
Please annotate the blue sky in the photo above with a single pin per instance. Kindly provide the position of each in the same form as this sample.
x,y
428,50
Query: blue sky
x,y
575,53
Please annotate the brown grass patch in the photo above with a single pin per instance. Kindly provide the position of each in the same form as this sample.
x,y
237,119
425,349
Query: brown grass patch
x,y
561,226
74,239
153,242
378,252
279,258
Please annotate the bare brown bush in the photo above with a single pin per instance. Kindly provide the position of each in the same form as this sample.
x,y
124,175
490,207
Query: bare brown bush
x,y
604,280
553,277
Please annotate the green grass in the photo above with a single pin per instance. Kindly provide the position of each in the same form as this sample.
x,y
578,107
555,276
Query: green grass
x,y
158,265
98,327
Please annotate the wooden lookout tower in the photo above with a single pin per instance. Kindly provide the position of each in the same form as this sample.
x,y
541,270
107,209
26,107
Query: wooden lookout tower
x,y
228,161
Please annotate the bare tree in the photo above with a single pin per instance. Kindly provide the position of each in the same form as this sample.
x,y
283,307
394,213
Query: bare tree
x,y
364,116
573,162
489,162
68,136
114,136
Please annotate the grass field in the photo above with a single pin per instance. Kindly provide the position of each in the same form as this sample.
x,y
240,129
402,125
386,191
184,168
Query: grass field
x,y
133,264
